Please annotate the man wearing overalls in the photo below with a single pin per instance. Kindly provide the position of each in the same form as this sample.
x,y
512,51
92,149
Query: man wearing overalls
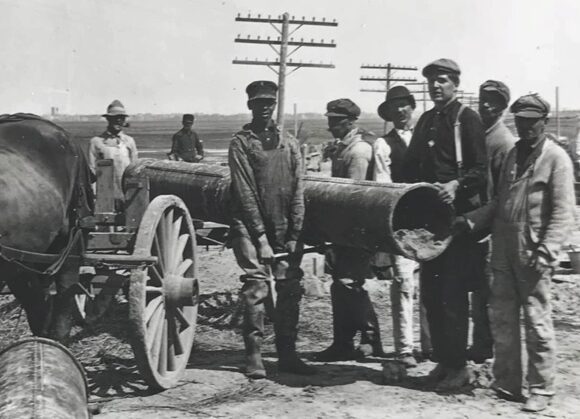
x,y
530,216
267,204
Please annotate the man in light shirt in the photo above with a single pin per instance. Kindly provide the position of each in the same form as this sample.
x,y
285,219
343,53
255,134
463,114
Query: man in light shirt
x,y
388,154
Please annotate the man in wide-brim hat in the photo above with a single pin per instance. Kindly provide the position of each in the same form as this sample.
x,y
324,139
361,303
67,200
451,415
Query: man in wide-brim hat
x,y
114,144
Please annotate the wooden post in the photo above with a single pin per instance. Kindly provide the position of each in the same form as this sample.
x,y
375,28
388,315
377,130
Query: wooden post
x,y
296,121
558,113
282,71
388,86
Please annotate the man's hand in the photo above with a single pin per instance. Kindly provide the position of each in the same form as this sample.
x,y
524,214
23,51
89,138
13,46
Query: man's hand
x,y
447,191
265,252
291,246
540,262
460,225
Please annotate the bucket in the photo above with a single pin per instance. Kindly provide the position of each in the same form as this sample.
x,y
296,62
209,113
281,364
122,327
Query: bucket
x,y
39,378
574,256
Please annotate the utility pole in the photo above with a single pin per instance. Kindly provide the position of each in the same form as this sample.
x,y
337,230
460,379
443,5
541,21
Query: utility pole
x,y
390,70
558,113
423,86
280,45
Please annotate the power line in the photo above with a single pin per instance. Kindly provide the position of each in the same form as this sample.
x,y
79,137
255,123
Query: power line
x,y
389,78
280,46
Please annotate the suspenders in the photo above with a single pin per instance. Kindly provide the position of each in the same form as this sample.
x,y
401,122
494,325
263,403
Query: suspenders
x,y
457,138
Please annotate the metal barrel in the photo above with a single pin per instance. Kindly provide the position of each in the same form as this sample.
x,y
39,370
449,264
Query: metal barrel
x,y
40,379
405,219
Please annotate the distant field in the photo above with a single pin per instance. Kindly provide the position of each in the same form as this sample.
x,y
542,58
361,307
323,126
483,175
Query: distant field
x,y
154,137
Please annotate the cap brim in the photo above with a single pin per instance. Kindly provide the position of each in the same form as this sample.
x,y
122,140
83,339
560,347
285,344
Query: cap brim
x,y
114,114
530,114
337,114
263,97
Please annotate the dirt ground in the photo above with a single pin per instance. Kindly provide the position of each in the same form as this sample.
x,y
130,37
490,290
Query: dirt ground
x,y
213,385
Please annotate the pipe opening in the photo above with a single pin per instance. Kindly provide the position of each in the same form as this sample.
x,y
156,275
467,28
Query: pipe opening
x,y
421,223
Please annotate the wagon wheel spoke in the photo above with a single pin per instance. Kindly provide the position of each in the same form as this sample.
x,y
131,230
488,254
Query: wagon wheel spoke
x,y
183,240
166,226
156,334
154,290
182,320
183,266
156,275
175,330
174,255
162,362
154,327
158,252
151,307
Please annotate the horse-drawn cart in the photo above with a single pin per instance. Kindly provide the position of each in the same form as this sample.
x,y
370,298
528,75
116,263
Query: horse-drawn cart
x,y
149,248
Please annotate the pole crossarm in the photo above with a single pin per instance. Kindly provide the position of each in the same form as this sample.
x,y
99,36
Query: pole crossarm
x,y
386,66
292,21
372,78
300,43
374,90
419,83
289,64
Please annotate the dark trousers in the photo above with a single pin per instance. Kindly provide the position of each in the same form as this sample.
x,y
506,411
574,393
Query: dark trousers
x,y
445,284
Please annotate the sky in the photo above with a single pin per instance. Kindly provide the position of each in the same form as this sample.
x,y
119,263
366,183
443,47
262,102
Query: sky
x,y
175,56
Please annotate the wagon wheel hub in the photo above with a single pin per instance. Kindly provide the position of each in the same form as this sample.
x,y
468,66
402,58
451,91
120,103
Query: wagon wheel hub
x,y
179,291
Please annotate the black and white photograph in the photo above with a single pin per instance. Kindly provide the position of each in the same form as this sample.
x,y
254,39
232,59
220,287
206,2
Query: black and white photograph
x,y
289,209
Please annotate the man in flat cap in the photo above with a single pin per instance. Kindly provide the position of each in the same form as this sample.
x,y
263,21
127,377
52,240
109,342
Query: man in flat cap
x,y
530,216
116,145
448,150
267,204
494,98
352,309
388,154
186,144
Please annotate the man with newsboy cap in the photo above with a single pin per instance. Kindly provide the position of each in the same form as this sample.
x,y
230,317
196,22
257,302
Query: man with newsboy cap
x,y
116,145
530,216
352,309
186,144
388,153
267,204
494,98
448,150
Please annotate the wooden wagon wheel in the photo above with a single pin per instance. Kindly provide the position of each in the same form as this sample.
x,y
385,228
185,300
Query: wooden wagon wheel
x,y
163,298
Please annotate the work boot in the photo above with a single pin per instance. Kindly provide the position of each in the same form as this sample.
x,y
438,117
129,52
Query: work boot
x,y
479,356
407,359
254,293
507,395
537,403
343,331
437,374
456,379
288,360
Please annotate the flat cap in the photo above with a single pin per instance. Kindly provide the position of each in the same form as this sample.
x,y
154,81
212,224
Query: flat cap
x,y
497,87
397,92
531,106
188,117
342,107
442,65
261,89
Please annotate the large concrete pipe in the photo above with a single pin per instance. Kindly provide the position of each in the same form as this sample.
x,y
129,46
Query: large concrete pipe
x,y
40,379
406,219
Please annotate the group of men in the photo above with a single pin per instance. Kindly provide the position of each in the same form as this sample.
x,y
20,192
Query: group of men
x,y
520,191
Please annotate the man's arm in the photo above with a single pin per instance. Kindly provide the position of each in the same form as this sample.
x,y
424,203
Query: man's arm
x,y
561,193
297,204
198,145
474,154
93,155
359,163
382,163
133,149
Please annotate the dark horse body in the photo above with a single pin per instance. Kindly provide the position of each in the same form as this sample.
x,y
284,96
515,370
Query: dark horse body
x,y
43,182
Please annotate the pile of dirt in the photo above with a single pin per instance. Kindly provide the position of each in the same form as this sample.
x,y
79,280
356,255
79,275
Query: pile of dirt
x,y
420,244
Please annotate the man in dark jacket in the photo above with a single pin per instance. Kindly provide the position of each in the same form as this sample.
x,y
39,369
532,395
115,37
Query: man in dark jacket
x,y
352,309
448,150
267,211
186,144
